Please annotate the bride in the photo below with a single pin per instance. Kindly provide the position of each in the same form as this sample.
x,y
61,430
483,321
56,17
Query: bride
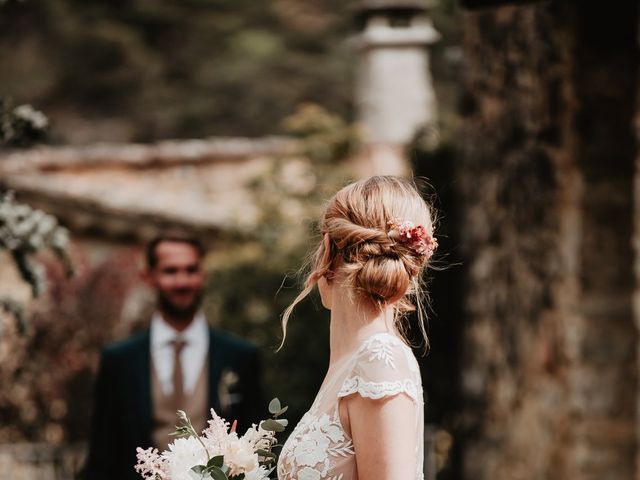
x,y
366,422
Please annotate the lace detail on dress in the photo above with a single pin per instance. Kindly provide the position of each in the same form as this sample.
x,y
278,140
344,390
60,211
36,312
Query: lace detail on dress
x,y
315,441
319,448
379,348
377,390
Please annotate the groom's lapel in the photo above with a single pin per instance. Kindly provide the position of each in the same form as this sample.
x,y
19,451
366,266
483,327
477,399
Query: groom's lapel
x,y
142,367
216,361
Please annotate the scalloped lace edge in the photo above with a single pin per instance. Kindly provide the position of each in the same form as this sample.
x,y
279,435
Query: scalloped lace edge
x,y
377,390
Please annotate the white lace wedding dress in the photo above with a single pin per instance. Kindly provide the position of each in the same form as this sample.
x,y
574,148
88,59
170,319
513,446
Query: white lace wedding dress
x,y
319,448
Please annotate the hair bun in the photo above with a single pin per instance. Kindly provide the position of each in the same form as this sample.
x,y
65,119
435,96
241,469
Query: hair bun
x,y
381,278
377,266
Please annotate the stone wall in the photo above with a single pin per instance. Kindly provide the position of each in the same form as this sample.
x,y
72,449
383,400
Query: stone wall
x,y
131,191
550,372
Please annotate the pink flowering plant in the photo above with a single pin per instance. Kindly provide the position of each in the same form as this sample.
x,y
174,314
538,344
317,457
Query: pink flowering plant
x,y
413,236
219,453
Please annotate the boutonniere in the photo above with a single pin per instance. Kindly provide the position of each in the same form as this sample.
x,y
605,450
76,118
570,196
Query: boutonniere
x,y
228,379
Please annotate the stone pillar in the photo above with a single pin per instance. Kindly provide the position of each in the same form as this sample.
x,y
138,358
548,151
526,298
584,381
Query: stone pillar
x,y
394,92
550,368
603,347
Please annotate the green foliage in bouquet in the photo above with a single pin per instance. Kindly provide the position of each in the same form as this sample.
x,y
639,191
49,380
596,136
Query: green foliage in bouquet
x,y
276,424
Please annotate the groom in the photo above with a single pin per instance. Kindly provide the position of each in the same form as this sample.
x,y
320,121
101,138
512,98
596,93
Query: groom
x,y
179,363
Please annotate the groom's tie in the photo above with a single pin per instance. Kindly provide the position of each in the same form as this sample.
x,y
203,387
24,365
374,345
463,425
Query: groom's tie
x,y
178,383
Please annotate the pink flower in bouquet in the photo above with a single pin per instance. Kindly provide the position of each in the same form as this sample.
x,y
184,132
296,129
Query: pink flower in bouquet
x,y
151,464
215,435
239,456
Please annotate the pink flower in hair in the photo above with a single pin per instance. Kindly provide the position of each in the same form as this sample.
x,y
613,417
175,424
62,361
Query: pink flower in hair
x,y
414,236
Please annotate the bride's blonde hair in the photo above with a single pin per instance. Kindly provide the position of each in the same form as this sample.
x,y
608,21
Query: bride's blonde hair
x,y
374,264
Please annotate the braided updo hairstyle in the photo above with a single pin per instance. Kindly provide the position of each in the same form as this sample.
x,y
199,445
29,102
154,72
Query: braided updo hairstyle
x,y
373,264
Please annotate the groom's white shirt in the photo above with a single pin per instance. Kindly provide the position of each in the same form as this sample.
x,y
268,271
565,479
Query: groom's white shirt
x,y
192,356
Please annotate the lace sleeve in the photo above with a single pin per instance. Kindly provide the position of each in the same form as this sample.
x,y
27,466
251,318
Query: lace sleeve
x,y
384,367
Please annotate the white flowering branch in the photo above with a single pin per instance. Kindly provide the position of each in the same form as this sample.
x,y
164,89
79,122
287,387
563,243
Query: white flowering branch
x,y
21,126
24,231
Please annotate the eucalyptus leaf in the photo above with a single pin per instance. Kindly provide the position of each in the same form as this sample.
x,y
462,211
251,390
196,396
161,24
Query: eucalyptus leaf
x,y
274,406
199,469
272,426
283,421
217,474
282,410
216,461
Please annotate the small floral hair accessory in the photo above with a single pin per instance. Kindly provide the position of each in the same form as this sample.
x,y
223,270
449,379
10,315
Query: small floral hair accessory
x,y
413,236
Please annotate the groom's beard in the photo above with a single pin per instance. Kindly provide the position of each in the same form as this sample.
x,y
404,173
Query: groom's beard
x,y
178,311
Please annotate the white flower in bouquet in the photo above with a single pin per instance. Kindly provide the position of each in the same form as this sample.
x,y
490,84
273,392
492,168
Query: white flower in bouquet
x,y
259,473
183,454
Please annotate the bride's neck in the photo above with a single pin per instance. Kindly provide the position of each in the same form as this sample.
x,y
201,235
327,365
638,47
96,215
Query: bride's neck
x,y
353,321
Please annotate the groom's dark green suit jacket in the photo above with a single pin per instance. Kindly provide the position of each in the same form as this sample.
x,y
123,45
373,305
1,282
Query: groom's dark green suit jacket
x,y
123,417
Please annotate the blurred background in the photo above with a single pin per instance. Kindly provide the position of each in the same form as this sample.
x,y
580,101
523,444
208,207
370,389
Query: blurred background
x,y
236,120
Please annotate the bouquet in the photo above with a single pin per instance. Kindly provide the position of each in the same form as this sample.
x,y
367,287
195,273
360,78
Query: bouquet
x,y
219,453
